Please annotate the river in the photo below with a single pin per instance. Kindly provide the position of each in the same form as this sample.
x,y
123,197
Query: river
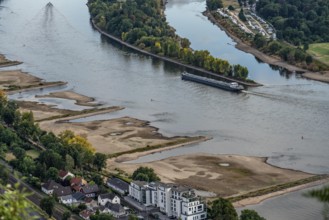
x,y
58,43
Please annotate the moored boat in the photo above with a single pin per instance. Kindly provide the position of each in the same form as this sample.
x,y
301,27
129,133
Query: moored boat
x,y
232,86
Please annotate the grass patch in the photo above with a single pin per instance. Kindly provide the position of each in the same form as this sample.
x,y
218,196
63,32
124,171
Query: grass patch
x,y
320,51
158,146
277,188
234,3
33,153
10,156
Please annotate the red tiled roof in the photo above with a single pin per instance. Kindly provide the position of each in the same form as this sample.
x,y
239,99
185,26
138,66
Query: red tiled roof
x,y
62,173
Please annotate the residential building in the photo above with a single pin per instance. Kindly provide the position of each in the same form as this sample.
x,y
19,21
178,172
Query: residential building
x,y
77,183
90,190
49,187
175,201
118,185
108,197
85,214
63,174
116,210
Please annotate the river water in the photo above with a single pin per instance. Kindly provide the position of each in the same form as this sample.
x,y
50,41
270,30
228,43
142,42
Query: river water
x,y
58,43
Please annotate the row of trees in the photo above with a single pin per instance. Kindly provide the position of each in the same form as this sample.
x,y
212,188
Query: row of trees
x,y
19,134
142,24
297,21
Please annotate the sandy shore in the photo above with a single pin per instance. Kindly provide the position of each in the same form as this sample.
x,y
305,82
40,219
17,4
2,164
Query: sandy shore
x,y
80,99
13,81
259,199
266,58
225,175
5,62
320,76
115,135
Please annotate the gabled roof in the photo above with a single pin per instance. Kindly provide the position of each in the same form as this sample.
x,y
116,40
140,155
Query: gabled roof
x,y
124,186
51,185
110,196
114,207
90,189
66,197
77,181
78,196
85,214
63,191
62,173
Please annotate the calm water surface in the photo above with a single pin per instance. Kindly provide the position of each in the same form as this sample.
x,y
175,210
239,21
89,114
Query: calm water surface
x,y
59,43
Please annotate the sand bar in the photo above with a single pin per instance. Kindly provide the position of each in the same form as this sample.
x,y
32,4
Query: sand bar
x,y
80,99
225,175
320,76
4,62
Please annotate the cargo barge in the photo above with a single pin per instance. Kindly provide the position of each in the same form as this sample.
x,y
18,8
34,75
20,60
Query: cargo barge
x,y
233,86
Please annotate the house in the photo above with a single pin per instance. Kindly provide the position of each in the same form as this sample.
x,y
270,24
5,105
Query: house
x,y
63,191
116,210
108,197
49,187
118,185
70,199
85,214
62,174
175,201
90,190
77,183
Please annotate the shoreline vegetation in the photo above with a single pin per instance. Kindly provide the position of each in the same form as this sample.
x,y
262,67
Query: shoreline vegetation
x,y
242,45
142,27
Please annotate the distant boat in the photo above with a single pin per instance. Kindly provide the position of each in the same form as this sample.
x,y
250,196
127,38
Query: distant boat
x,y
233,86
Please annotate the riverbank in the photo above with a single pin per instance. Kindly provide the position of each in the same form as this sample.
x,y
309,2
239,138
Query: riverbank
x,y
224,175
320,76
4,62
13,81
244,83
272,60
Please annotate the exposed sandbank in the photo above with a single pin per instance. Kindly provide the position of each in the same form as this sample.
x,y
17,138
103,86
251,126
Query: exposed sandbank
x,y
225,175
13,81
80,99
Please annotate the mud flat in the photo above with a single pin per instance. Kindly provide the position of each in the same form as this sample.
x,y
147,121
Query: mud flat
x,y
319,76
5,62
13,81
79,99
224,175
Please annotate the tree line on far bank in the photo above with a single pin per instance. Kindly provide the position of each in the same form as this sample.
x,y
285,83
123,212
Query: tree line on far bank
x,y
142,24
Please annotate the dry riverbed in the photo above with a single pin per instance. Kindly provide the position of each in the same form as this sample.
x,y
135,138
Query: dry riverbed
x,y
225,175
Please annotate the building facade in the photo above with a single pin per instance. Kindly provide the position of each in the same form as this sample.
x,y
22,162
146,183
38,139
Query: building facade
x,y
174,201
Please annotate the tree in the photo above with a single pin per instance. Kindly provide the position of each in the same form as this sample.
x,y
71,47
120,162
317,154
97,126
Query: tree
x,y
145,174
52,173
100,161
222,209
248,214
19,153
14,204
66,215
102,216
47,204
242,16
97,179
4,175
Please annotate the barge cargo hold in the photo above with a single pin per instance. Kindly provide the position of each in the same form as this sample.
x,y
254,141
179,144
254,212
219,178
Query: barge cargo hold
x,y
233,86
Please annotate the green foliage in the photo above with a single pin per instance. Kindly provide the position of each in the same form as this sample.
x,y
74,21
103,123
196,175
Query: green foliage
x,y
242,16
66,215
145,174
14,204
52,173
248,214
141,23
296,21
4,175
100,161
102,216
320,194
231,8
222,209
47,204
214,4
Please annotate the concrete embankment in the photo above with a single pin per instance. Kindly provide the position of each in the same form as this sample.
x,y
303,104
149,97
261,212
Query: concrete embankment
x,y
248,84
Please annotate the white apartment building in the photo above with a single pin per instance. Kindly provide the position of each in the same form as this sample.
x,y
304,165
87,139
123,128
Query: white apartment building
x,y
174,201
